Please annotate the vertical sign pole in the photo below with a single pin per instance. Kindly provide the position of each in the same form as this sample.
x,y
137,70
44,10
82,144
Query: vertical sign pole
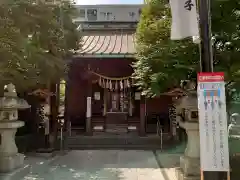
x,y
228,175
206,56
202,177
206,53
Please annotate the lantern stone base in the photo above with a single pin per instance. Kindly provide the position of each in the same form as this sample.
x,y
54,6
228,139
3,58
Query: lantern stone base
x,y
190,161
182,176
9,163
190,166
189,169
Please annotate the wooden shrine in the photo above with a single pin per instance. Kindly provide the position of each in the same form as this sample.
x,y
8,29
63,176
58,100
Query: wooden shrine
x,y
100,92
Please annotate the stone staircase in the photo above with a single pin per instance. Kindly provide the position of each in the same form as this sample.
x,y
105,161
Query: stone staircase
x,y
116,141
116,129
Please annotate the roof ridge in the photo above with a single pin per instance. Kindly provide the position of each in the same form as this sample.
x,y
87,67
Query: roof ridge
x,y
91,48
115,42
120,49
99,46
88,44
107,45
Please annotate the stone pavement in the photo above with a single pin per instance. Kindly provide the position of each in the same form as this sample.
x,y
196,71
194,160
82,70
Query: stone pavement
x,y
106,165
168,162
29,162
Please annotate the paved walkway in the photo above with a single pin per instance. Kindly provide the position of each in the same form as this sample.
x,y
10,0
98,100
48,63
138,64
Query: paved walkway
x,y
106,165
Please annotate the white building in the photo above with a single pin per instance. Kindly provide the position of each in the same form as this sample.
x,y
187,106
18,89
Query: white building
x,y
109,13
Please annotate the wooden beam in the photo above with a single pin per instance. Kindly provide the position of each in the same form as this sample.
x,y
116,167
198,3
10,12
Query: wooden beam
x,y
53,112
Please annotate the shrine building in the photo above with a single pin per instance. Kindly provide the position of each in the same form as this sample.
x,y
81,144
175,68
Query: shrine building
x,y
100,92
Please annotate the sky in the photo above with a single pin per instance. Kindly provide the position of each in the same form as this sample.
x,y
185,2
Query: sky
x,y
93,2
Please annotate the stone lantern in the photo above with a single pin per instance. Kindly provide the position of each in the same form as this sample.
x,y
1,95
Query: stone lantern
x,y
190,161
10,159
234,134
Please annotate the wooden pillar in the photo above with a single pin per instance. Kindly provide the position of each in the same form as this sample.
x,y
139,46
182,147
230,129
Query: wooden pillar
x,y
53,111
142,116
130,104
89,108
105,98
66,105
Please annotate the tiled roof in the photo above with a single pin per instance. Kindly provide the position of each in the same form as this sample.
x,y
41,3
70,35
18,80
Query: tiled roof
x,y
107,43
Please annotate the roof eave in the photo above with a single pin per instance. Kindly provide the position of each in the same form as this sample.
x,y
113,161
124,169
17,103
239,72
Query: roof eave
x,y
104,55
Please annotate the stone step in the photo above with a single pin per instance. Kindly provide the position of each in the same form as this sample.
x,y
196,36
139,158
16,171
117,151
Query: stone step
x,y
116,130
115,142
114,147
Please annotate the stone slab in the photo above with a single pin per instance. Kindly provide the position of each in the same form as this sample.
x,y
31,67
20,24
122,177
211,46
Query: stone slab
x,y
100,165
9,163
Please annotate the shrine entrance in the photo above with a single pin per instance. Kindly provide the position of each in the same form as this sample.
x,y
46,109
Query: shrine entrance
x,y
118,107
117,102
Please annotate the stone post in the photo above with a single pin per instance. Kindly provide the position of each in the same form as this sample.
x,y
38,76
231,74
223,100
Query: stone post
x,y
9,105
89,130
89,116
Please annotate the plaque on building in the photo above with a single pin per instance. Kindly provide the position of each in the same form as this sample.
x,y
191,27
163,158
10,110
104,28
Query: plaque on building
x,y
97,96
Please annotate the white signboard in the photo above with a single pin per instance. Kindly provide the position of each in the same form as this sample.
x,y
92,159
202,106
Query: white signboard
x,y
213,122
97,96
89,107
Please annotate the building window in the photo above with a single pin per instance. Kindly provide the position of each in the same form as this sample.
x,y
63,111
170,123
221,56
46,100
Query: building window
x,y
82,13
92,14
109,16
132,14
103,15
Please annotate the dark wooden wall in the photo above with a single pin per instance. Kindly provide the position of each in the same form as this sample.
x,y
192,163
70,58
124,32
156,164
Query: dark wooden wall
x,y
79,76
78,85
158,104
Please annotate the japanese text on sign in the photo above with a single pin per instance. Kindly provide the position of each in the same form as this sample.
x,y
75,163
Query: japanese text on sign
x,y
188,5
213,122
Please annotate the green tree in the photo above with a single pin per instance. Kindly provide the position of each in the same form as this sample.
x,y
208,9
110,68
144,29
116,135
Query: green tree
x,y
35,40
163,63
226,35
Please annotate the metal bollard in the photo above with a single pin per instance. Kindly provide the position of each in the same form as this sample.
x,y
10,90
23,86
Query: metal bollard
x,y
161,136
70,129
61,138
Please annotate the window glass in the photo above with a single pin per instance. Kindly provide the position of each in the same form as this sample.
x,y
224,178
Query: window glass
x,y
92,14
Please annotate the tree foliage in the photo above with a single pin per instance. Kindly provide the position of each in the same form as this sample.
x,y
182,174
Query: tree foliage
x,y
226,36
163,63
35,40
